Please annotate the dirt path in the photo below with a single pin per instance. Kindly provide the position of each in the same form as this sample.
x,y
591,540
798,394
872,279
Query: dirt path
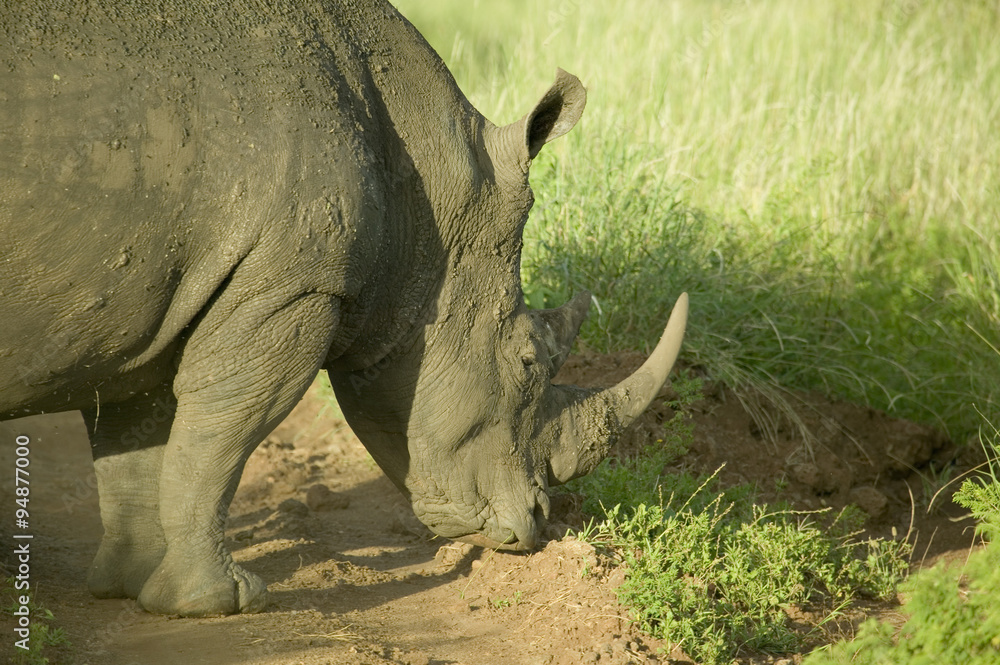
x,y
356,579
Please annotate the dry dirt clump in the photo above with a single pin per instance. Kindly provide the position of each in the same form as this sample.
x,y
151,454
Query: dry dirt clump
x,y
355,579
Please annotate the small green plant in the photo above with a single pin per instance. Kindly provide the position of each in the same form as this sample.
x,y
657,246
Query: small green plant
x,y
715,573
43,635
981,495
501,603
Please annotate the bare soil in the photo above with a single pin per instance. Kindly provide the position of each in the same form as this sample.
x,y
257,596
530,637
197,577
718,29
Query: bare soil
x,y
356,579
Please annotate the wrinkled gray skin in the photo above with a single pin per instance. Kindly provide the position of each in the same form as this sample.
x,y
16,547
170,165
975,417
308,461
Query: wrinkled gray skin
x,y
201,207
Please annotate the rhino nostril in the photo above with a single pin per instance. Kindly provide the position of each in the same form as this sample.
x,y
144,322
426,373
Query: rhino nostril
x,y
527,532
541,515
525,539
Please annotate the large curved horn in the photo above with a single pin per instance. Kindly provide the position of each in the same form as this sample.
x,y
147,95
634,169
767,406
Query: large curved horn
x,y
637,391
592,423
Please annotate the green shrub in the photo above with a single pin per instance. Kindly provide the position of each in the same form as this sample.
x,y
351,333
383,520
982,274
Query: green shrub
x,y
710,570
951,609
715,573
952,619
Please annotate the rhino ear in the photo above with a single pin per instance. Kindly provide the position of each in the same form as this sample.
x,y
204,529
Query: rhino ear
x,y
556,112
560,326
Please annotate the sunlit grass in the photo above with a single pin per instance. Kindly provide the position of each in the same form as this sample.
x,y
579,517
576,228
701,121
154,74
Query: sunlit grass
x,y
822,177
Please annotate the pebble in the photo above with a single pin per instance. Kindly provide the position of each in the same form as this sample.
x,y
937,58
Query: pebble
x,y
321,497
293,507
870,500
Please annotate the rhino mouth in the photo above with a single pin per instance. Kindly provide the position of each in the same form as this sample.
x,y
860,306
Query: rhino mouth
x,y
522,537
485,542
514,524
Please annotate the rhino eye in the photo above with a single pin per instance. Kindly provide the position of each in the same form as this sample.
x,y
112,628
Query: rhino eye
x,y
527,360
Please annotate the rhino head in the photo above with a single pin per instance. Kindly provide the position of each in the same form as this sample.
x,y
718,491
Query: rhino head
x,y
463,415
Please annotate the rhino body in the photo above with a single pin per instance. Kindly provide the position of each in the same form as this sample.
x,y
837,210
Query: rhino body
x,y
204,204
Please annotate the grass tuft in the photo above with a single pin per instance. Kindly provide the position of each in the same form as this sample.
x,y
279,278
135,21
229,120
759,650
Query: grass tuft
x,y
44,635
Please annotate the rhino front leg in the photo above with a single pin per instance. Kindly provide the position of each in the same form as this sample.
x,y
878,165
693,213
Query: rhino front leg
x,y
127,441
234,384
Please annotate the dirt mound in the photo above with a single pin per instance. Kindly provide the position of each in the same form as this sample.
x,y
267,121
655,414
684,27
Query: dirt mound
x,y
356,579
813,452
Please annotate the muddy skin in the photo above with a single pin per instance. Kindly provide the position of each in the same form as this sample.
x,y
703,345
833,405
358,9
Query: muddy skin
x,y
204,206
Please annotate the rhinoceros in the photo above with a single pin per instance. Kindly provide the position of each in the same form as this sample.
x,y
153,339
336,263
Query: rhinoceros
x,y
205,204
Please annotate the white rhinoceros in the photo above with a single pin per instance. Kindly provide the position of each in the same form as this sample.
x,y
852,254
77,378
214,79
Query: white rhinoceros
x,y
202,204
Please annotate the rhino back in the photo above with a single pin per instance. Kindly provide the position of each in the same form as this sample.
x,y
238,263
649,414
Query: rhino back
x,y
146,155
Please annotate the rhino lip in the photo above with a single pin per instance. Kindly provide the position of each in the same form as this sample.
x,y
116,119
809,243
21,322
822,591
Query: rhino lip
x,y
480,540
523,537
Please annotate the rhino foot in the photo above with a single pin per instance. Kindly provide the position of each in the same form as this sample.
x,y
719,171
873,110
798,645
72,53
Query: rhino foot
x,y
206,588
120,570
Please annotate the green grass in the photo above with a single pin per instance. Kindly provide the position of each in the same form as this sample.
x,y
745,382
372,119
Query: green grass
x,y
713,570
950,609
951,619
823,178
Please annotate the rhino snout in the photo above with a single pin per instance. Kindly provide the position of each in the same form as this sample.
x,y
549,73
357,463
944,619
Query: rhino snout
x,y
522,534
512,527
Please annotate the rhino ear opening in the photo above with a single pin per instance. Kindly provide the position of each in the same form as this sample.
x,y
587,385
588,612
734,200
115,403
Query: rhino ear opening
x,y
556,113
